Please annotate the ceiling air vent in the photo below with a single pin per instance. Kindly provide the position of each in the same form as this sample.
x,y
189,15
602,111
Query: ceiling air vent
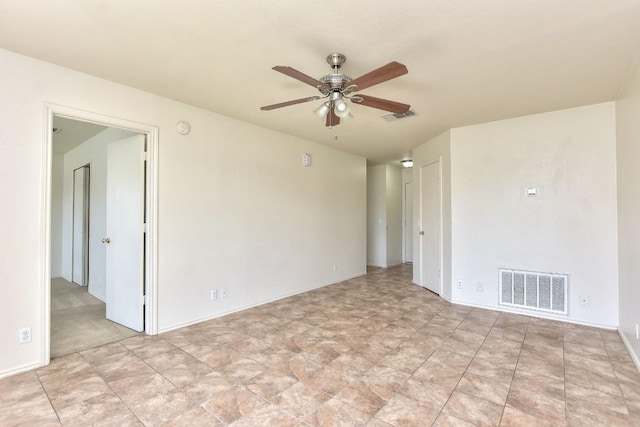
x,y
393,117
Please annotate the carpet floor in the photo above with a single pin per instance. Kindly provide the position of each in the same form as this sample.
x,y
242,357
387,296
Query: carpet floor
x,y
78,320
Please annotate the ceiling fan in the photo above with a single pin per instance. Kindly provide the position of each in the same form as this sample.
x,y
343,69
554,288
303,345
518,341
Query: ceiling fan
x,y
339,87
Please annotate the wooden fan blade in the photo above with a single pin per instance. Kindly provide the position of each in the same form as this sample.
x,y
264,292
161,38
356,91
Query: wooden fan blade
x,y
287,103
381,104
291,72
332,119
379,75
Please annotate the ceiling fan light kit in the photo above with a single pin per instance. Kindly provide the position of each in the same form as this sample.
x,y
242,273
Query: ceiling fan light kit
x,y
323,109
339,106
339,87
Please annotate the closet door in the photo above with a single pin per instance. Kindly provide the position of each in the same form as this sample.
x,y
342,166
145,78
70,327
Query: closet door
x,y
80,238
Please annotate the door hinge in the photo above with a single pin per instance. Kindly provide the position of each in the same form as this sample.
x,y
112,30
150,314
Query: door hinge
x,y
144,227
144,300
145,157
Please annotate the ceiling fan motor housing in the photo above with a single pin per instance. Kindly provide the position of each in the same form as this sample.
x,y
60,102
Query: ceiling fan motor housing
x,y
336,60
335,81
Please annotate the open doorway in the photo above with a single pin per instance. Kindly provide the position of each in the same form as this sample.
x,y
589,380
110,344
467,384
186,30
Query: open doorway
x,y
91,230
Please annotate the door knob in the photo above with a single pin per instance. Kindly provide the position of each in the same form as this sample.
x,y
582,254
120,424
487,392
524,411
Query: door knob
x,y
422,233
106,240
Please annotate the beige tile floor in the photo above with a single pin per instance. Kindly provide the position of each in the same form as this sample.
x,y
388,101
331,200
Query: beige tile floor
x,y
374,351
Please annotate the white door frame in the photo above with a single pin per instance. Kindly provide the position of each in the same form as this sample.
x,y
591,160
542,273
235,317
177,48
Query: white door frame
x,y
407,215
420,240
151,220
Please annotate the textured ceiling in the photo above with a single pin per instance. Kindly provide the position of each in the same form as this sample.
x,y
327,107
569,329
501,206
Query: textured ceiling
x,y
469,61
72,133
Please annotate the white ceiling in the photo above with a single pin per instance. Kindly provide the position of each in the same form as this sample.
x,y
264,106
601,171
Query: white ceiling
x,y
469,61
72,133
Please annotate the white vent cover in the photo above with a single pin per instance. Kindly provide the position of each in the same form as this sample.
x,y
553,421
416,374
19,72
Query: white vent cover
x,y
533,290
394,116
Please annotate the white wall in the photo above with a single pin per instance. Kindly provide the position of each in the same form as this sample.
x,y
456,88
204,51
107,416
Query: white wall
x,y
407,175
394,215
94,153
57,174
436,149
265,230
377,216
570,156
628,162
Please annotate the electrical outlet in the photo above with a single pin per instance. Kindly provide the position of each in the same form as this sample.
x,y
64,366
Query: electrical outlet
x,y
480,287
334,268
25,336
223,292
459,284
584,300
214,295
637,332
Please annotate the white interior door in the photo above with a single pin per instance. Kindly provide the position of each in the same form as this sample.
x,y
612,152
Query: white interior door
x,y
80,229
125,232
430,212
408,222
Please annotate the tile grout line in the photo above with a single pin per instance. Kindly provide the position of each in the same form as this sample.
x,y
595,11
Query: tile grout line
x,y
624,398
44,390
109,385
465,370
514,371
170,382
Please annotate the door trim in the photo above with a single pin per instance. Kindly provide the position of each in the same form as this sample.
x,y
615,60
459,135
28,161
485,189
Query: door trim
x,y
407,215
440,231
151,219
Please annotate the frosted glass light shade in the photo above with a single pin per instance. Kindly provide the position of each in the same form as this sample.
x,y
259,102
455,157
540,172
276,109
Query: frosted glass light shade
x,y
322,110
341,108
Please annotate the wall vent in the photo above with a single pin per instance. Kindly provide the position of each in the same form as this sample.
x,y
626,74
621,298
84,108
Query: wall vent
x,y
394,116
534,291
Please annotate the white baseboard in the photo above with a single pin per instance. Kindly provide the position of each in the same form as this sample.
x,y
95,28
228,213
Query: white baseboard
x,y
536,314
246,307
634,356
100,297
20,370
